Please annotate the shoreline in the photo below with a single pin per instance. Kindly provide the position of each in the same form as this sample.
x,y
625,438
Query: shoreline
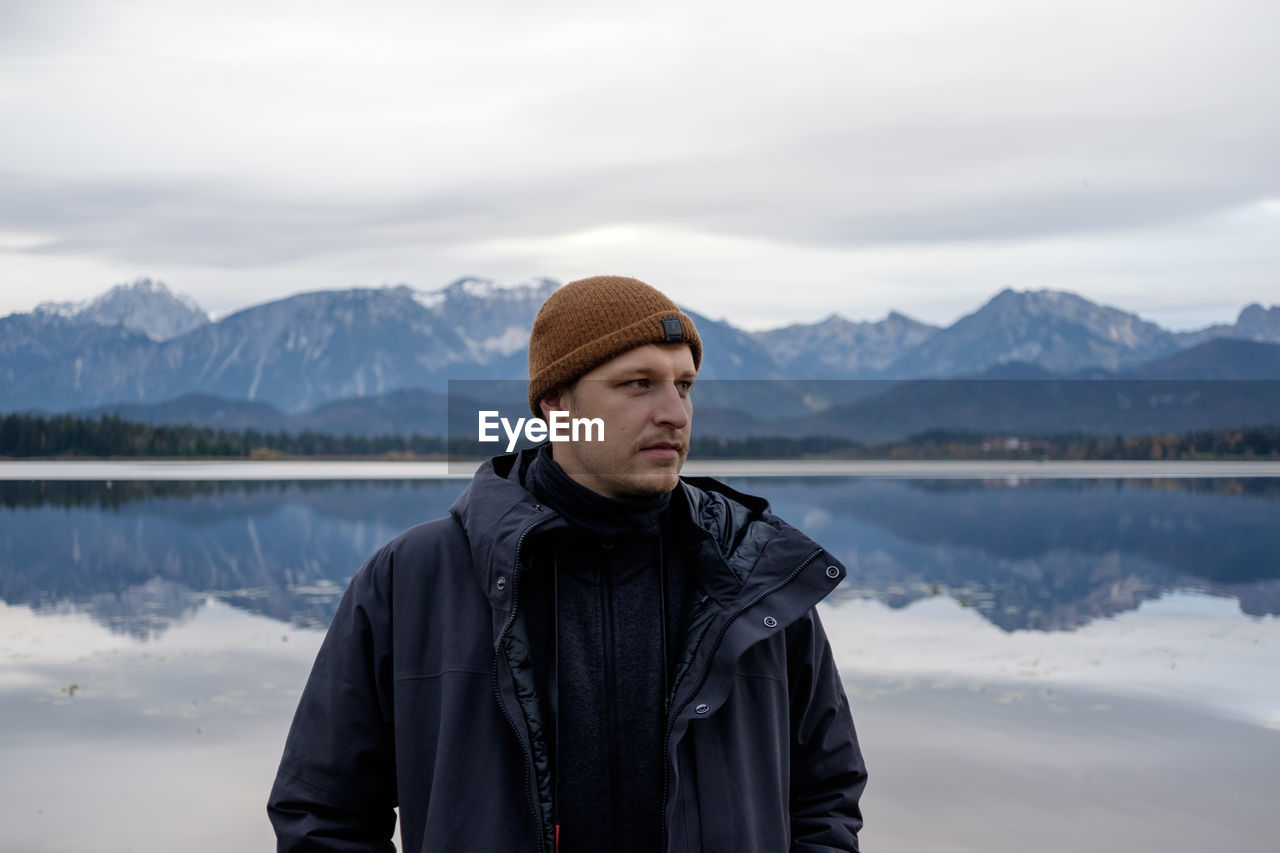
x,y
156,469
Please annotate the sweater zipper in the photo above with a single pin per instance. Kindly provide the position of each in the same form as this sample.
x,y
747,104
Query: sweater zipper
x,y
706,672
497,692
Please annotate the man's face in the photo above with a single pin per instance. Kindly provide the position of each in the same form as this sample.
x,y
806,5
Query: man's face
x,y
643,398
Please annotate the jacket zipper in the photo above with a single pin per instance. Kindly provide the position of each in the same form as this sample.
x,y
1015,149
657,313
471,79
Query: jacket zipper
x,y
497,692
706,672
611,698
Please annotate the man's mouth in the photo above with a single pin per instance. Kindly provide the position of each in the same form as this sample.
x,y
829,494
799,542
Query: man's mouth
x,y
663,449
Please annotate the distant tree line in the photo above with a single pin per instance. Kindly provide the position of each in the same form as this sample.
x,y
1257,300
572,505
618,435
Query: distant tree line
x,y
768,447
1260,442
1252,443
110,435
32,436
107,494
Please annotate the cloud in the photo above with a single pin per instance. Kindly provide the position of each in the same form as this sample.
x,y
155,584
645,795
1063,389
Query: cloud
x,y
275,136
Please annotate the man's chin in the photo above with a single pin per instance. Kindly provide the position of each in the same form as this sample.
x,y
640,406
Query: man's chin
x,y
652,483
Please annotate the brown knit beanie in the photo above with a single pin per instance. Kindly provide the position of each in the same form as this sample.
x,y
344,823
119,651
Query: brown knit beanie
x,y
587,322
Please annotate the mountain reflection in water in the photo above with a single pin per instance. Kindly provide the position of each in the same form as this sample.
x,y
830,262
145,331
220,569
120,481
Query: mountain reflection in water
x,y
1043,555
1088,663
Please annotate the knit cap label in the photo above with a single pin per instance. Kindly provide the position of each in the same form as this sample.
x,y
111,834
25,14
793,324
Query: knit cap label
x,y
671,328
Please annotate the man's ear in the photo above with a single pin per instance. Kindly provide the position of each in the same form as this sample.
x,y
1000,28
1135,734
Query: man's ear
x,y
557,399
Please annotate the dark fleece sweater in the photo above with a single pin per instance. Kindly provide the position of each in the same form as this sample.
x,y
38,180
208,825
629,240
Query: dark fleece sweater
x,y
600,630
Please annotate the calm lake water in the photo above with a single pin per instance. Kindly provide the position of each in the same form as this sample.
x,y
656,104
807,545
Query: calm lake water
x,y
1033,665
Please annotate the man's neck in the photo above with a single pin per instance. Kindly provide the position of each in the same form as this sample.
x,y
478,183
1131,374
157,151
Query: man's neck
x,y
588,509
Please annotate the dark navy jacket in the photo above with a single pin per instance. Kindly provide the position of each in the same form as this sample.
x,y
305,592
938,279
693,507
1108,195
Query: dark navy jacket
x,y
422,694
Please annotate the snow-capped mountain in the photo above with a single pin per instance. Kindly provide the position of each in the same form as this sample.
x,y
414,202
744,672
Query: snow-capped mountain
x,y
1254,323
1058,331
836,348
308,349
144,306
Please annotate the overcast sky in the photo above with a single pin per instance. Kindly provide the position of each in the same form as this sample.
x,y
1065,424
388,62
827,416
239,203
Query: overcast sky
x,y
765,162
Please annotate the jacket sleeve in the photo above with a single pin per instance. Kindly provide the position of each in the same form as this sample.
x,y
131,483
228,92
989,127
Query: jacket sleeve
x,y
335,789
827,770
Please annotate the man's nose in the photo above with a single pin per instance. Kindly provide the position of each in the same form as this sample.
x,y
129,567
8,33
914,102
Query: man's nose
x,y
671,408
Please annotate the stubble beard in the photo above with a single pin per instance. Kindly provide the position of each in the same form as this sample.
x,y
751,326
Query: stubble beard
x,y
658,479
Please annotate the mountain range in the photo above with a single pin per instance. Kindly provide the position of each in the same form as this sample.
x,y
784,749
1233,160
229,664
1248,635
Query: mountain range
x,y
370,360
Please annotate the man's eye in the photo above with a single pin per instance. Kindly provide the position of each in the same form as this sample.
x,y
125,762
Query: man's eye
x,y
638,383
685,387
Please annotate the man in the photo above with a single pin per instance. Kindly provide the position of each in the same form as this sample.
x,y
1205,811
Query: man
x,y
590,654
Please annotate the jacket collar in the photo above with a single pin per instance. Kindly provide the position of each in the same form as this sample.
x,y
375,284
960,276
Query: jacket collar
x,y
740,547
496,512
